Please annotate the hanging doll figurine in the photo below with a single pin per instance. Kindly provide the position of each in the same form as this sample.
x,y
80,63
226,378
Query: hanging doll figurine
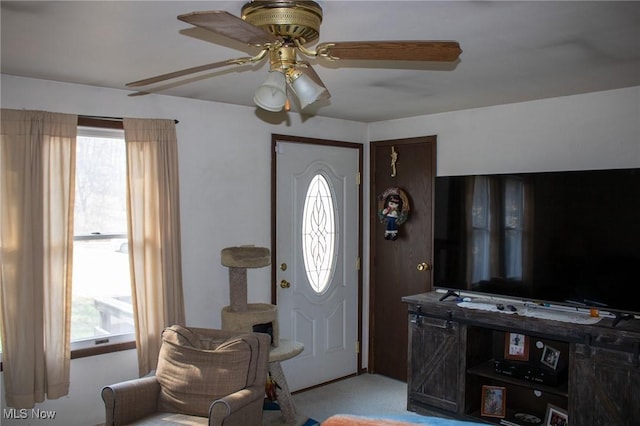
x,y
393,211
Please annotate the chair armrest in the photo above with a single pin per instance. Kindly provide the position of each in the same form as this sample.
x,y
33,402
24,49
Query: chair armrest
x,y
131,400
238,408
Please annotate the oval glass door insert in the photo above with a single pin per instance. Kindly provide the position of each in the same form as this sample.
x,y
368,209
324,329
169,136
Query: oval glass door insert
x,y
319,233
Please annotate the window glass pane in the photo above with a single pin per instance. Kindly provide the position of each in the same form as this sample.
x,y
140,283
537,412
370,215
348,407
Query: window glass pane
x,y
101,289
101,296
100,204
318,233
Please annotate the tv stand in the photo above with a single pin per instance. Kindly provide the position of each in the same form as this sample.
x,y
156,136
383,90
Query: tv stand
x,y
594,374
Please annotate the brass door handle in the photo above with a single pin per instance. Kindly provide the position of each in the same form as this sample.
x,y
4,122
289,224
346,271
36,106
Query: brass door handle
x,y
285,284
424,266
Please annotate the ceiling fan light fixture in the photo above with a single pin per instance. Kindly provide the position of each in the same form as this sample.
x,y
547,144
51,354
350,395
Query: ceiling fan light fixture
x,y
272,94
306,90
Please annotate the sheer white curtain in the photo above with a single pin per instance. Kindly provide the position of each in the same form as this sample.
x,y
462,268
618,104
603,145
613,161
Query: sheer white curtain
x,y
37,170
483,229
154,233
514,228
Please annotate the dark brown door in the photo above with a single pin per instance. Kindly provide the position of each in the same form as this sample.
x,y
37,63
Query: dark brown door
x,y
399,267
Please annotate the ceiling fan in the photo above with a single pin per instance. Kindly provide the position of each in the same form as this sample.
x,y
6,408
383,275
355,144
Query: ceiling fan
x,y
281,29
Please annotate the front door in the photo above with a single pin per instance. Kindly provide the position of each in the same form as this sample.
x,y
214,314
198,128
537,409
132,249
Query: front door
x,y
399,266
317,255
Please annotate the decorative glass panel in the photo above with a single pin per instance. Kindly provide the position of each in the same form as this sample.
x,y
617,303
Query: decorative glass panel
x,y
318,233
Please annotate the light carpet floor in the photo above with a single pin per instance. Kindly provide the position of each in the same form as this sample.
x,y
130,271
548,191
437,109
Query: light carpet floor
x,y
363,395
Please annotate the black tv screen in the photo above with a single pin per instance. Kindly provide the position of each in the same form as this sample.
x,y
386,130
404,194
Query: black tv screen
x,y
568,237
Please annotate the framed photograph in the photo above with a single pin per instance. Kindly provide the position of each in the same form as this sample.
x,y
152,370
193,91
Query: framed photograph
x,y
516,346
494,401
556,416
550,356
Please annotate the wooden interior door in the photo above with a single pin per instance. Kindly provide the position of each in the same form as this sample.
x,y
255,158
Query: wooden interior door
x,y
396,264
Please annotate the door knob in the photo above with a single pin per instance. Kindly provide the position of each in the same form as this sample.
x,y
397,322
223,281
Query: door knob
x,y
424,266
285,284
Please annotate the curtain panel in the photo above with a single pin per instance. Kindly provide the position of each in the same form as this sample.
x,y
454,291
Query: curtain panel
x,y
154,233
37,185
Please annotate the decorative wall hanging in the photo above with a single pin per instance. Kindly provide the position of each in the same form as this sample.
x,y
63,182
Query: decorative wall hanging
x,y
393,210
394,158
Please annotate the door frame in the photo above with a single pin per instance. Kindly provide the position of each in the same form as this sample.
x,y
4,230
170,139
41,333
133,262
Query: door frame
x,y
275,138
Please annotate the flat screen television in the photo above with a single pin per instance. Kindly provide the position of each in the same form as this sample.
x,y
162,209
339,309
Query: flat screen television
x,y
570,238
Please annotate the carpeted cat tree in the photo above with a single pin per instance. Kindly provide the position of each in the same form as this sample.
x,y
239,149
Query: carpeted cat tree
x,y
240,315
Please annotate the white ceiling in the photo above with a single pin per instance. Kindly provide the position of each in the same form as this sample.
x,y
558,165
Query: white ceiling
x,y
513,51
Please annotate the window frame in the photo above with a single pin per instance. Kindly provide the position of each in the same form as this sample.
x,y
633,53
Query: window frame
x,y
98,345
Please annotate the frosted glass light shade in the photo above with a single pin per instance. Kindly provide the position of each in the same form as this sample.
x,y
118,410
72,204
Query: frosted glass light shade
x,y
306,90
272,95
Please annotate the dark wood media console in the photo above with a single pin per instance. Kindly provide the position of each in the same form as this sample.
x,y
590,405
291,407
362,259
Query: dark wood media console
x,y
592,373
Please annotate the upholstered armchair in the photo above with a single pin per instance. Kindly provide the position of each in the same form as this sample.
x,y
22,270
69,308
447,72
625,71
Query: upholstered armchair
x,y
204,377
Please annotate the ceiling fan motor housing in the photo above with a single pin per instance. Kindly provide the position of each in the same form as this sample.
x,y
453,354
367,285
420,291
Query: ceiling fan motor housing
x,y
288,19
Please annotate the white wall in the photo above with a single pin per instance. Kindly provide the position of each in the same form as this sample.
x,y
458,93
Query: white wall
x,y
83,405
225,157
595,130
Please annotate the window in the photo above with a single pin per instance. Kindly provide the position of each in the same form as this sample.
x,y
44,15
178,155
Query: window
x,y
102,311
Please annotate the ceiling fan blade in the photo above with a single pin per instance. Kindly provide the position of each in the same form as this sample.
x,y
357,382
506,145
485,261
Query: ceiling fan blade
x,y
228,25
446,51
140,93
188,71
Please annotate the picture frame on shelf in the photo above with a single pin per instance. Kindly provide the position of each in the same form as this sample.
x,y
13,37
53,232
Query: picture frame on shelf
x,y
550,357
516,346
556,416
494,401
